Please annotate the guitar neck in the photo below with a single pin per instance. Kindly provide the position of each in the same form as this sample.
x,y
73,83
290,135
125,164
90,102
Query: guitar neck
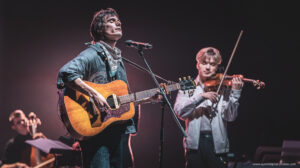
x,y
134,97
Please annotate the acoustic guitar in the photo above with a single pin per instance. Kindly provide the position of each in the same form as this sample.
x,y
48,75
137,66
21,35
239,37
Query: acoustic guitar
x,y
83,119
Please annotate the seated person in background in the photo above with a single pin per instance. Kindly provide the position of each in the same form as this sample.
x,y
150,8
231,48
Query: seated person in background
x,y
17,153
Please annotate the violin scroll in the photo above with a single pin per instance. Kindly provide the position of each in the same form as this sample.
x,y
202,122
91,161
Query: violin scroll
x,y
259,84
34,122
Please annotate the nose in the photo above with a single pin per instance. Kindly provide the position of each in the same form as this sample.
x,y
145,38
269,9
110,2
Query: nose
x,y
118,23
207,66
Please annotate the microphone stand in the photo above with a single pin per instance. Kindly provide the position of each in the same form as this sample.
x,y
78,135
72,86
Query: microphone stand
x,y
161,151
165,101
144,69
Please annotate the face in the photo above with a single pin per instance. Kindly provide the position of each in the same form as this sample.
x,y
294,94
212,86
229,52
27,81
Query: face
x,y
207,68
112,28
21,124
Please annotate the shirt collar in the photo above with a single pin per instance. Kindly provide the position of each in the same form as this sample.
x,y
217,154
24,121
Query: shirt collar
x,y
114,51
197,81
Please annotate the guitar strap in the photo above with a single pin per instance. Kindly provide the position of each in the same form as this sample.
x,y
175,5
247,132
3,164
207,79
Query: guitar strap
x,y
104,58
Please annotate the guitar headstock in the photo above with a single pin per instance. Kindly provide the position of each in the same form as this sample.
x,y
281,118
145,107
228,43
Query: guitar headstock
x,y
187,83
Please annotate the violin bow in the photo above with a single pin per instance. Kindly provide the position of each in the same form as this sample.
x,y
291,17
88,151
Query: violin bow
x,y
230,60
215,105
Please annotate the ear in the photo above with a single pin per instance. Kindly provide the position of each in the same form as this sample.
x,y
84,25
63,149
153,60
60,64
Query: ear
x,y
197,66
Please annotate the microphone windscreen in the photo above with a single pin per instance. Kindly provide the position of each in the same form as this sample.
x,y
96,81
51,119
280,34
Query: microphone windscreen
x,y
128,41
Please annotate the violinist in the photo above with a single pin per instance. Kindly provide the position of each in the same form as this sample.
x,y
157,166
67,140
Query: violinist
x,y
206,144
17,152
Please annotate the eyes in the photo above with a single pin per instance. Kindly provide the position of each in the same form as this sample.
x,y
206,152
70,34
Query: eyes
x,y
113,20
20,122
210,63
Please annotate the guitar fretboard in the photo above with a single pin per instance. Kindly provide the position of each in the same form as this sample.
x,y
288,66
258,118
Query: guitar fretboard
x,y
145,94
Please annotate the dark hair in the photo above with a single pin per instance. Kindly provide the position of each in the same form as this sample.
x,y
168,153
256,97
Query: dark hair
x,y
97,28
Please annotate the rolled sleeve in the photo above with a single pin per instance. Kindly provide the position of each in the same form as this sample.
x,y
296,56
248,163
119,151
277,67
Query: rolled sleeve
x,y
231,111
74,69
236,94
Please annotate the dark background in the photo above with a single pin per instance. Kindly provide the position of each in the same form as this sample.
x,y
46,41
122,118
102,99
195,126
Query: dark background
x,y
38,37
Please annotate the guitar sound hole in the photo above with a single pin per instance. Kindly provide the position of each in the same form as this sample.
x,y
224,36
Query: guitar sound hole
x,y
111,102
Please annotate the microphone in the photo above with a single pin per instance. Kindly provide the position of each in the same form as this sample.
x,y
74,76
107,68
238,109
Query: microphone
x,y
138,45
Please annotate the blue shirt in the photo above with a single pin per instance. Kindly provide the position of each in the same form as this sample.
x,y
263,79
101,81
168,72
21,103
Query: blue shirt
x,y
91,65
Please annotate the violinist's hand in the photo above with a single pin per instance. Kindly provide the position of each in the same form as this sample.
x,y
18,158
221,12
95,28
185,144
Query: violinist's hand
x,y
212,96
39,135
200,111
15,165
237,83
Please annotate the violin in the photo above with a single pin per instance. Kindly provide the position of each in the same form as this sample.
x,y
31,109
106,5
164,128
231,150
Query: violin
x,y
38,159
213,83
219,81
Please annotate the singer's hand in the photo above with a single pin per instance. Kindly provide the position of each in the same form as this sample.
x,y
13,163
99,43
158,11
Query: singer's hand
x,y
96,97
100,101
156,98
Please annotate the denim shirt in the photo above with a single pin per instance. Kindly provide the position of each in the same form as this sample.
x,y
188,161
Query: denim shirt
x,y
91,65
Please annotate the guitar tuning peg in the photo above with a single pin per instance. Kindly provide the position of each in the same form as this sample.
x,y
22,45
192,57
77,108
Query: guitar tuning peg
x,y
184,78
189,77
179,79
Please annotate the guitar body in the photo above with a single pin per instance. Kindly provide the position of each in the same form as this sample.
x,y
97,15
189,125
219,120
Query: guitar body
x,y
80,115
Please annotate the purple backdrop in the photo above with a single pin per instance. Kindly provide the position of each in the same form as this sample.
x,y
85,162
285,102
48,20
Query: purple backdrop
x,y
38,37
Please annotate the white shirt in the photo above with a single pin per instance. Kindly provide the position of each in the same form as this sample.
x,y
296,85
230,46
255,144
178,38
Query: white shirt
x,y
188,108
